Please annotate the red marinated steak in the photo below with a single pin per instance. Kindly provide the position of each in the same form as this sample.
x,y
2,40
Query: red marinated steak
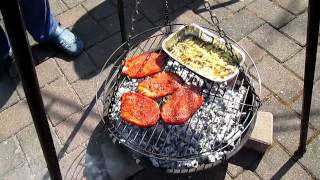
x,y
160,85
139,110
181,105
144,65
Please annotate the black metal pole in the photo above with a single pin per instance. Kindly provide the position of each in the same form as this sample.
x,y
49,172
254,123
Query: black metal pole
x,y
310,62
123,27
17,35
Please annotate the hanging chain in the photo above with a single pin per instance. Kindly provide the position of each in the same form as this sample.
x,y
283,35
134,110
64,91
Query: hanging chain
x,y
216,23
134,17
166,17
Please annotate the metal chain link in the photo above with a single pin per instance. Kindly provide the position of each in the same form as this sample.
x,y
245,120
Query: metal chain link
x,y
216,23
166,17
134,17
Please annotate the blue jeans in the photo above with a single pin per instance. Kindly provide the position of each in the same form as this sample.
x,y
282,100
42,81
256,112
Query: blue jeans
x,y
39,22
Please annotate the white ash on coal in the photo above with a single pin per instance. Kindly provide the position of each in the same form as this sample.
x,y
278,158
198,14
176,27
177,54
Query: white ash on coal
x,y
214,130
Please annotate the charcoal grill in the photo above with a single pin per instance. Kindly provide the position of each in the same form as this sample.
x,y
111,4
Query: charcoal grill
x,y
215,132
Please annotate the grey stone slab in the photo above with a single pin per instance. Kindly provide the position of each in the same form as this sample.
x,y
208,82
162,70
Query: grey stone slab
x,y
219,11
315,106
153,10
185,16
265,93
47,72
297,28
237,30
286,124
270,12
111,24
57,7
101,51
297,64
89,31
20,172
72,3
274,42
177,4
42,175
8,95
99,9
278,79
247,175
72,16
311,158
81,124
294,6
273,163
79,68
59,101
244,159
235,6
253,50
86,88
31,147
11,155
13,119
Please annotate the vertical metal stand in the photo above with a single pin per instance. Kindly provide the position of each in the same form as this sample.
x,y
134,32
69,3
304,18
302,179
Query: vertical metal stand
x,y
123,27
16,31
310,62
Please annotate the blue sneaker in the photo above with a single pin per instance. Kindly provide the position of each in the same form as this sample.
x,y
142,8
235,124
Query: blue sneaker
x,y
67,41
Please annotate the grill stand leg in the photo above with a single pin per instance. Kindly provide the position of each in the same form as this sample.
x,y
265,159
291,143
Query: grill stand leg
x,y
311,56
17,36
123,27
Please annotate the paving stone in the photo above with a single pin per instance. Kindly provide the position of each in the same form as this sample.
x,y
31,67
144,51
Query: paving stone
x,y
297,64
78,128
153,10
89,31
177,4
47,72
20,172
286,124
275,42
235,6
72,165
315,106
59,101
99,9
101,51
270,12
236,30
278,79
111,24
294,6
31,147
79,68
42,175
72,3
8,95
13,119
42,52
57,7
244,159
265,93
185,16
220,11
86,88
72,16
274,165
297,28
247,175
253,50
11,155
311,158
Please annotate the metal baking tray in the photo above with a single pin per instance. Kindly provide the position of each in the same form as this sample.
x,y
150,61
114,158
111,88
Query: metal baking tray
x,y
206,36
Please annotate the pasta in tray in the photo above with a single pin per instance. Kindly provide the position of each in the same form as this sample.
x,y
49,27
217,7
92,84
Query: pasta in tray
x,y
203,57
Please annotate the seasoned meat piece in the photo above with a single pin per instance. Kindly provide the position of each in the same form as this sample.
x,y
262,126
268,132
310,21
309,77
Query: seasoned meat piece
x,y
160,85
181,105
144,65
139,110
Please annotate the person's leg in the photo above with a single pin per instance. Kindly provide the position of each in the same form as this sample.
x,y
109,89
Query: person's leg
x,y
43,27
38,19
4,45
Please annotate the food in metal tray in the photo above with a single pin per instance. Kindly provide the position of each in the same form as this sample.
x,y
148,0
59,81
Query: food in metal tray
x,y
139,110
144,65
160,85
181,105
203,57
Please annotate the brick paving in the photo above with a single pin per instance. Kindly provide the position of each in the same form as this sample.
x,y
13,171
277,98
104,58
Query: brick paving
x,y
273,32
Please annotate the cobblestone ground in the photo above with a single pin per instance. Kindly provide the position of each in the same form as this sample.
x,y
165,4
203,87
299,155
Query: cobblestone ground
x,y
273,31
